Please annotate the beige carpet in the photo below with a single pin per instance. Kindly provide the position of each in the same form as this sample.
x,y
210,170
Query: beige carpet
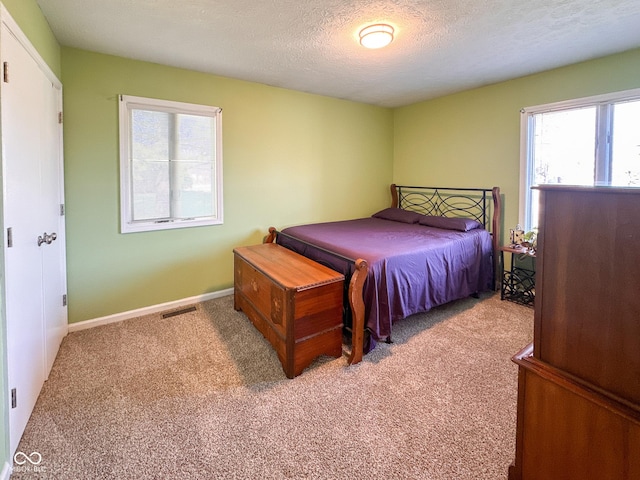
x,y
202,395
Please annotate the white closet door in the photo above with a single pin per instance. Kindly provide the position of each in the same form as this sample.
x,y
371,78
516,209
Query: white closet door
x,y
34,273
53,255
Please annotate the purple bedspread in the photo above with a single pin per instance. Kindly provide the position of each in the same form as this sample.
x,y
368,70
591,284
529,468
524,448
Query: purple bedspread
x,y
412,268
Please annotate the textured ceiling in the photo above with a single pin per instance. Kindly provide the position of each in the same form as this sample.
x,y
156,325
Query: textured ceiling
x,y
441,46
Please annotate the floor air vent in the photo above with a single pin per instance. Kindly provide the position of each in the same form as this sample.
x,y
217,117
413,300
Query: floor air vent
x,y
179,312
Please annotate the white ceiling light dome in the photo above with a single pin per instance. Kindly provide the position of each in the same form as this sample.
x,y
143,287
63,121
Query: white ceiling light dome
x,y
376,36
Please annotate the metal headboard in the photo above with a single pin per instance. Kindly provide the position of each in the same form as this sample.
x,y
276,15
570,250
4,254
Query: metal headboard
x,y
480,204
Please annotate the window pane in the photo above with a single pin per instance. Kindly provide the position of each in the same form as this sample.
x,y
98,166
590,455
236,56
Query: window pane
x,y
193,197
564,147
150,165
192,178
563,151
196,138
625,168
149,135
151,195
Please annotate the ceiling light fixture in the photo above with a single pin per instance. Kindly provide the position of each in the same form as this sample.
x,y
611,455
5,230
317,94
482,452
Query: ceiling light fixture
x,y
376,36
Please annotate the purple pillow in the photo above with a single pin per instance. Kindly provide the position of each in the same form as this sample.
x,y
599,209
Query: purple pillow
x,y
398,215
450,223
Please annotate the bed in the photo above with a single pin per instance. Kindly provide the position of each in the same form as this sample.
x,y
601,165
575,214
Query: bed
x,y
431,247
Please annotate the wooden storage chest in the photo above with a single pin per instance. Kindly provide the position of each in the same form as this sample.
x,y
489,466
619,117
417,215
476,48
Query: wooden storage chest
x,y
293,301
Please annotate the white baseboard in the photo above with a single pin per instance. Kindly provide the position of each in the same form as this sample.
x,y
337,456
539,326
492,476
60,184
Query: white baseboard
x,y
118,317
6,471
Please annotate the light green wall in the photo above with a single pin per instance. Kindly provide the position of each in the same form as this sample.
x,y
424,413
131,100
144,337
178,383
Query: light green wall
x,y
473,138
29,18
289,158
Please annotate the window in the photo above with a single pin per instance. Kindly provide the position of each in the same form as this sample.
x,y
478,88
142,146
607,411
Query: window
x,y
170,164
589,141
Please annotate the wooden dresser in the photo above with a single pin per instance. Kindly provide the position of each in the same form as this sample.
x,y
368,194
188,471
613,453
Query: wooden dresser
x,y
294,302
579,382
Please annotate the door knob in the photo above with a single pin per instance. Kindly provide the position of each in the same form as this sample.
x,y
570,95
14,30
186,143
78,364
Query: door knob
x,y
47,238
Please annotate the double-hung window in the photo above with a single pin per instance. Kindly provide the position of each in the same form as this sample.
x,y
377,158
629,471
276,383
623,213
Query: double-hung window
x,y
589,141
170,164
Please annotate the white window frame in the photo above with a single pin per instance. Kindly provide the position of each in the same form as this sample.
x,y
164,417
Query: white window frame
x,y
127,103
603,141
